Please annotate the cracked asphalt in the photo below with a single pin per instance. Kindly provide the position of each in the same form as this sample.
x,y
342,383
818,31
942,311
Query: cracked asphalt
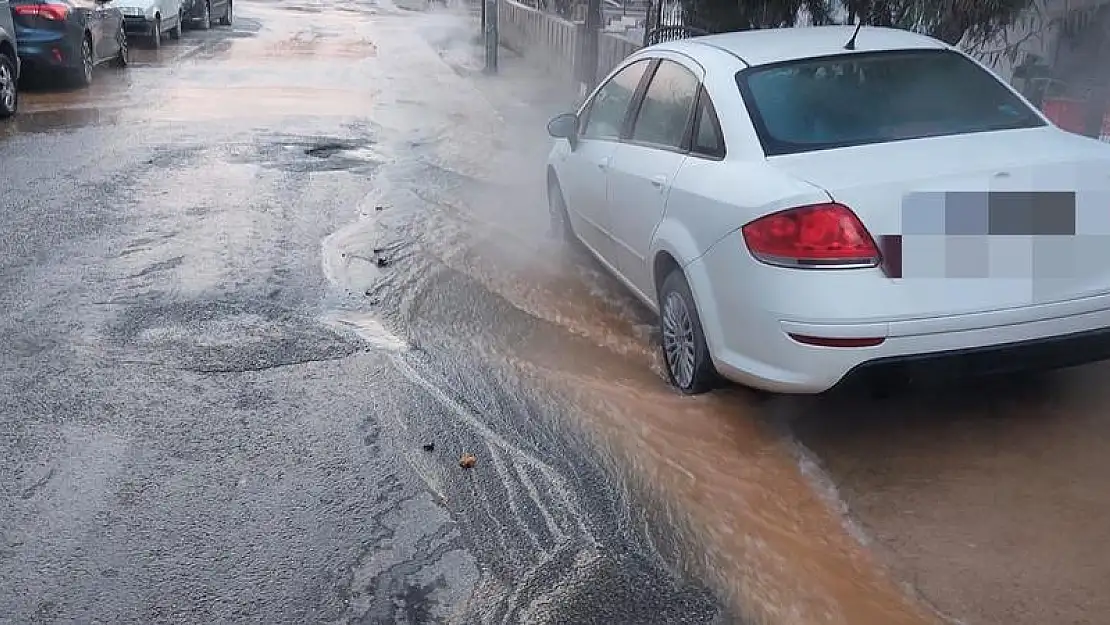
x,y
241,361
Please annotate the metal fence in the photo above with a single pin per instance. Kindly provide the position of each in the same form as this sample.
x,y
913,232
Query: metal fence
x,y
669,20
651,21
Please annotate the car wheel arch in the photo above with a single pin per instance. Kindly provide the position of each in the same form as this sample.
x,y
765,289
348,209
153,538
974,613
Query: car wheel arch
x,y
673,240
661,267
554,184
552,177
675,249
7,49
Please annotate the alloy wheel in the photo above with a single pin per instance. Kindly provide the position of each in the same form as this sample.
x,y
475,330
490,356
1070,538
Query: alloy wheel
x,y
175,32
7,88
678,339
87,61
124,57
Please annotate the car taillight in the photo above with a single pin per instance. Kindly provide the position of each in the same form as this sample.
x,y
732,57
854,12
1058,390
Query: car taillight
x,y
820,235
53,12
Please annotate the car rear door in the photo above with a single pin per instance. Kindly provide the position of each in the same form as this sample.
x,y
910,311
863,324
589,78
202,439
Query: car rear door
x,y
7,27
643,167
584,173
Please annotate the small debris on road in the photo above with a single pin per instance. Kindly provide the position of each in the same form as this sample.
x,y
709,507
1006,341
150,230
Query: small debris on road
x,y
467,461
381,261
429,447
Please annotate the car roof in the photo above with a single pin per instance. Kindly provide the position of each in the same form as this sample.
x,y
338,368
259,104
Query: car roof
x,y
774,45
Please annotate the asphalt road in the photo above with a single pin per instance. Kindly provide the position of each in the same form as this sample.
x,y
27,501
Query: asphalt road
x,y
205,418
262,290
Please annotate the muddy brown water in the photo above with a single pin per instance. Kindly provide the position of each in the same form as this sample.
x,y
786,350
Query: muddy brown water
x,y
984,502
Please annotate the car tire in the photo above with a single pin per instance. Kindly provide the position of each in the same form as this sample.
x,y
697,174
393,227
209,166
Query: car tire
x,y
226,19
156,33
561,226
686,356
206,18
9,87
123,59
82,76
175,33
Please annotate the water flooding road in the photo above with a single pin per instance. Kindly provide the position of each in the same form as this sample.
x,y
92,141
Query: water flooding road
x,y
205,418
248,279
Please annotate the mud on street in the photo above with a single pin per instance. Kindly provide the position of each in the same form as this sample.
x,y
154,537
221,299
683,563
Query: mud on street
x,y
263,289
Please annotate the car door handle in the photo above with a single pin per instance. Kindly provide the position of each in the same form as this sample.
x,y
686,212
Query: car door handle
x,y
603,164
659,181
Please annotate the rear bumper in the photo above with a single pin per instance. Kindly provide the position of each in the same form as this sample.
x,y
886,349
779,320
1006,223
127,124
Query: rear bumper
x,y
775,362
48,54
138,25
749,334
195,11
1042,354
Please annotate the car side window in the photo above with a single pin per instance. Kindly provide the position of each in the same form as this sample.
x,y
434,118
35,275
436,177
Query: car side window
x,y
609,108
707,139
667,106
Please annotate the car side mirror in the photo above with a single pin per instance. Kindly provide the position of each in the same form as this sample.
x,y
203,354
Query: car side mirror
x,y
564,126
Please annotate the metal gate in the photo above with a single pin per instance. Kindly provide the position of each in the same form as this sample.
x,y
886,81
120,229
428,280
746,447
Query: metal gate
x,y
668,20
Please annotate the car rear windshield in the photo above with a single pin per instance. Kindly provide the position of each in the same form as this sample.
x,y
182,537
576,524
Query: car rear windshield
x,y
862,98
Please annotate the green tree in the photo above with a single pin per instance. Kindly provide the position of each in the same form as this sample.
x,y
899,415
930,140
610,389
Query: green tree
x,y
722,16
950,21
953,21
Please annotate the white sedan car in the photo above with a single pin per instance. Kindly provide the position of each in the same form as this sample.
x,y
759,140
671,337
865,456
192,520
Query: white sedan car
x,y
152,18
804,205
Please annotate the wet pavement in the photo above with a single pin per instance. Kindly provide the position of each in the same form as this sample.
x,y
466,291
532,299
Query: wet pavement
x,y
205,419
262,289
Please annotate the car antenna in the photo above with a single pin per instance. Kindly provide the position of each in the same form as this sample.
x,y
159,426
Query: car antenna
x,y
851,45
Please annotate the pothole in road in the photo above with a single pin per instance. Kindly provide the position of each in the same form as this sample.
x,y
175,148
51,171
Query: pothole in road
x,y
313,155
325,150
226,337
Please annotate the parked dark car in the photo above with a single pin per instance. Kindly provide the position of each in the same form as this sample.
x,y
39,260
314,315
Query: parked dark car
x,y
68,37
203,13
9,64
